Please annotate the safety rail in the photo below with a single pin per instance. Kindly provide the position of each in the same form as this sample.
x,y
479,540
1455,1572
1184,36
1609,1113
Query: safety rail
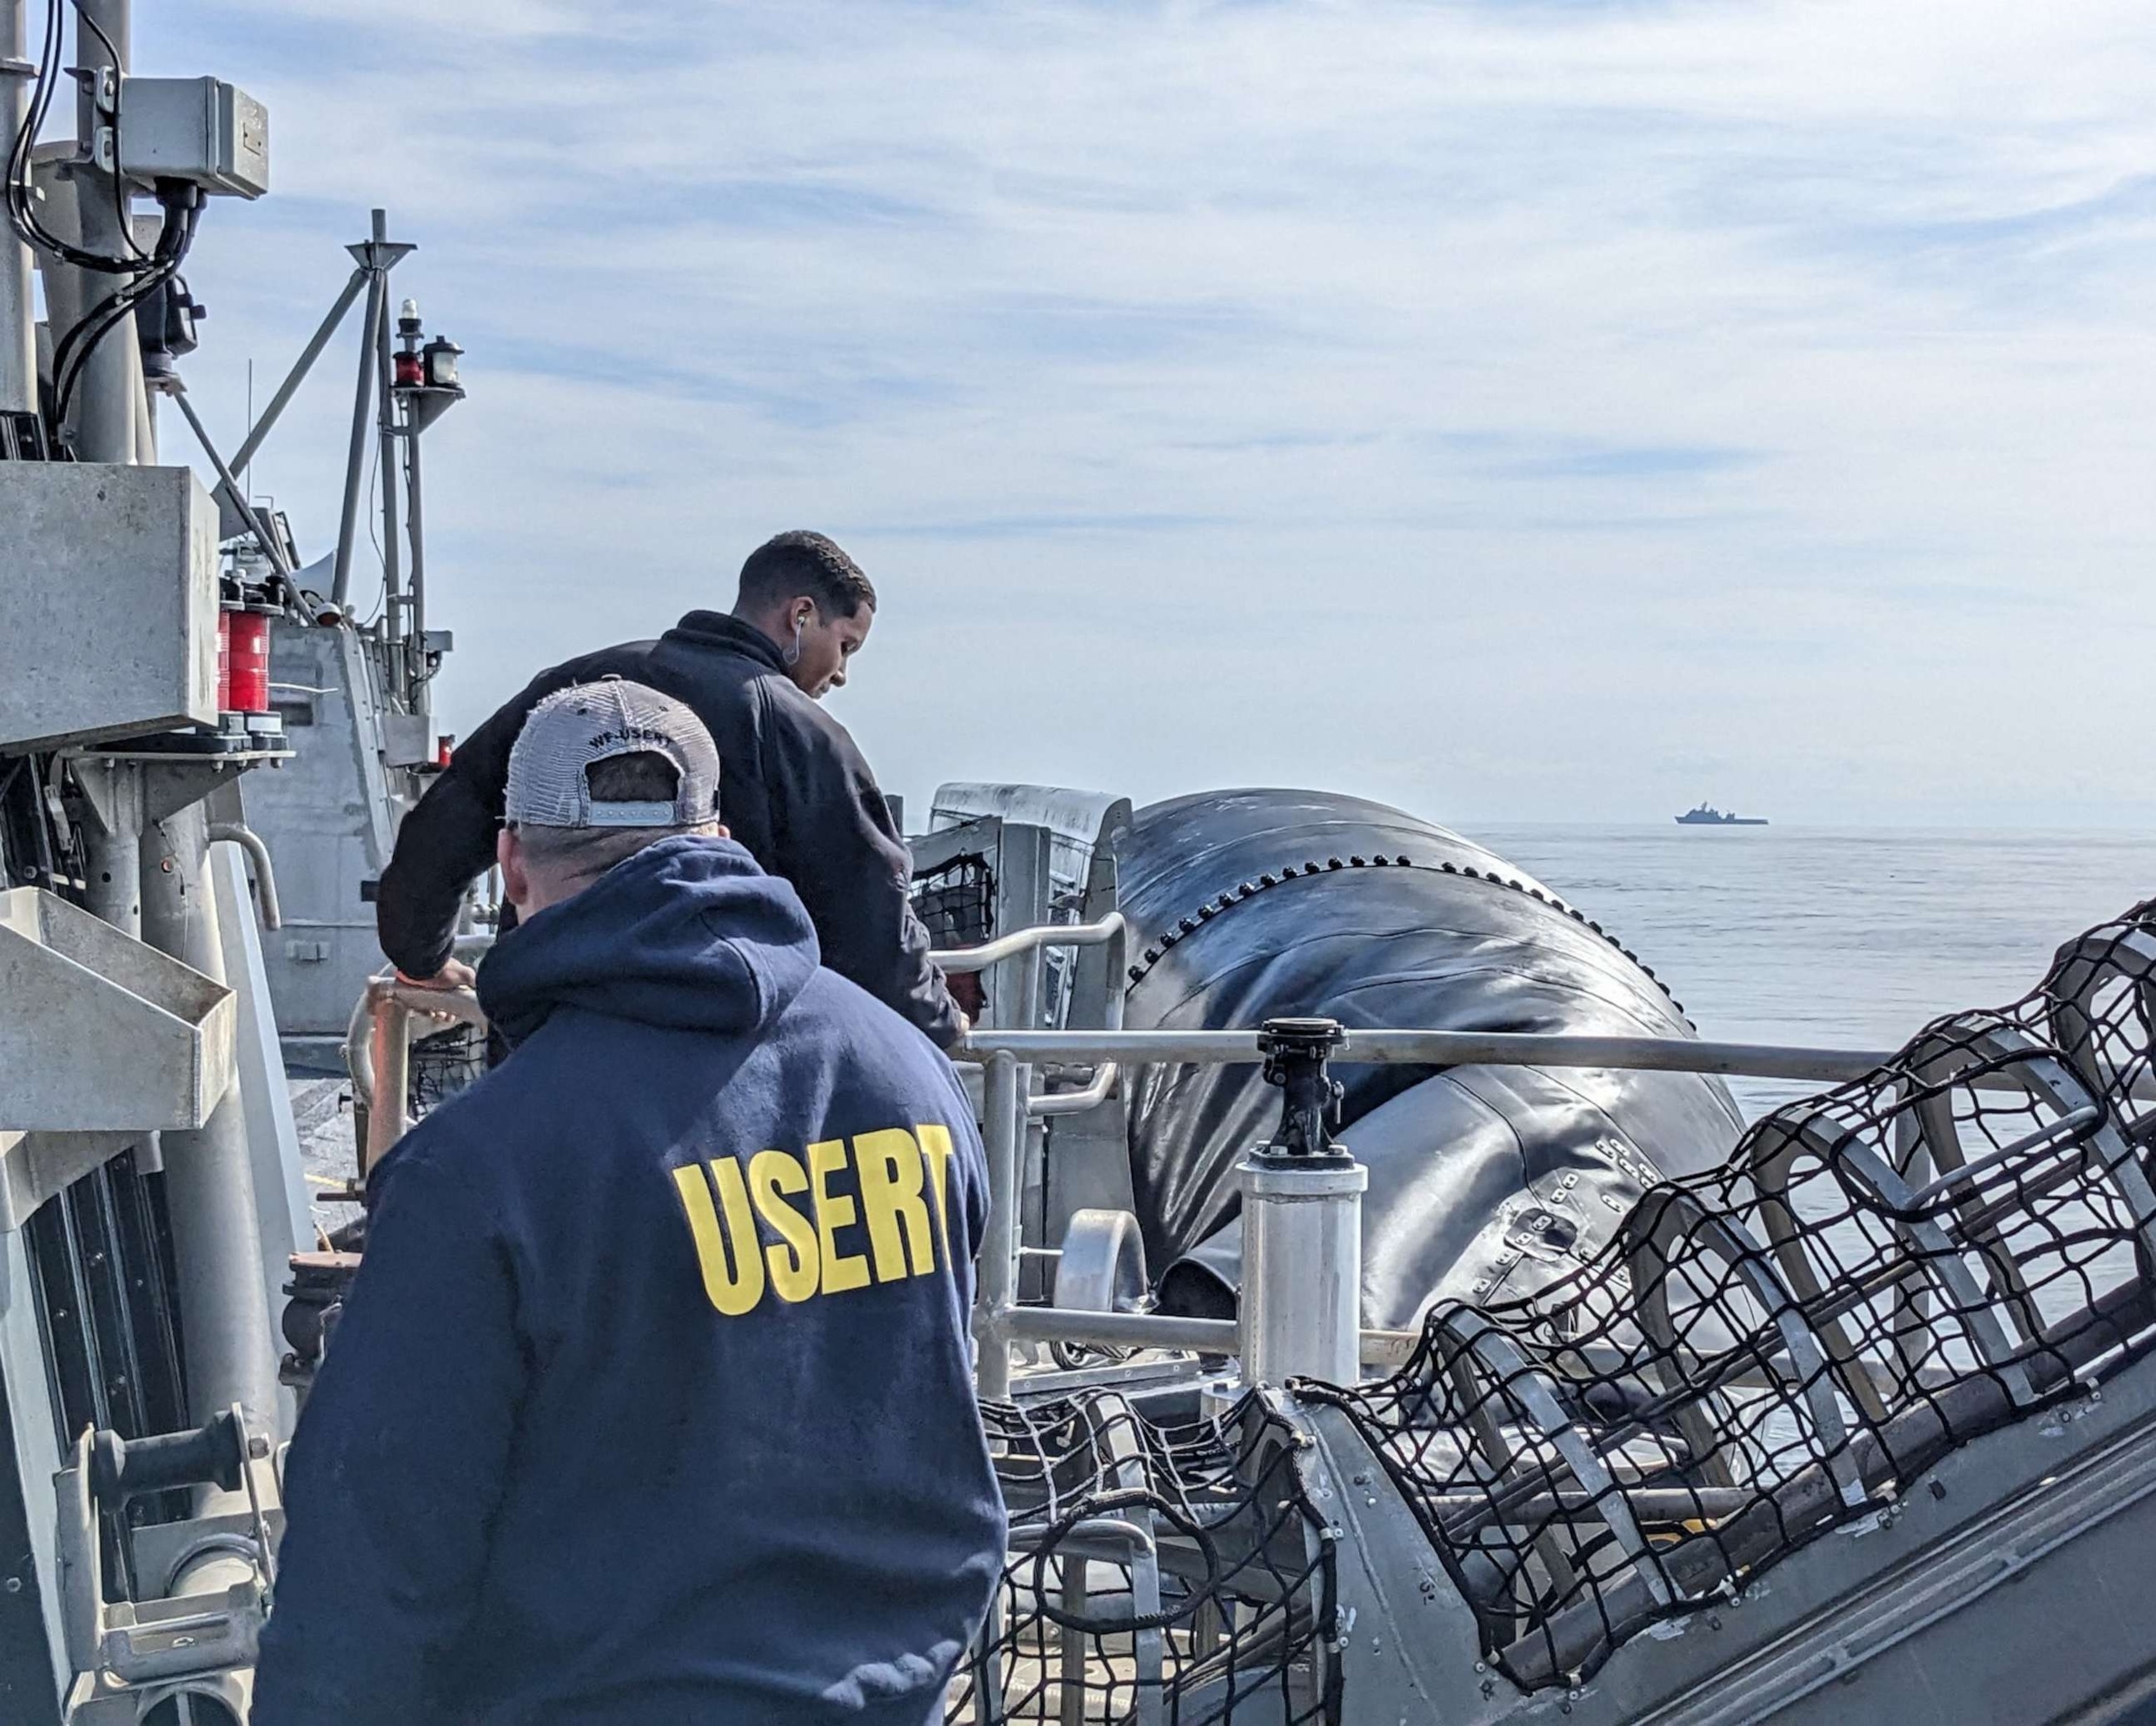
x,y
1111,931
1435,1048
1008,1056
1028,945
377,1052
999,1320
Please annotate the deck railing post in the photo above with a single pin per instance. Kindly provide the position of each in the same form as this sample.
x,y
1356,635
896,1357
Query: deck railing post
x,y
1003,1122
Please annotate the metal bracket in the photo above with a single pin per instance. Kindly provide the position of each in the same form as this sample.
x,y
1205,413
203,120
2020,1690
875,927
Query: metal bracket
x,y
1296,1052
155,1641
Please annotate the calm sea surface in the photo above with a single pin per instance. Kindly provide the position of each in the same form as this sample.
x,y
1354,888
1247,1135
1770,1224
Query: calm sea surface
x,y
1823,936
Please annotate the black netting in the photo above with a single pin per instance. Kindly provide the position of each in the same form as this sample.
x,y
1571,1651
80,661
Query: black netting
x,y
443,1064
957,900
1173,1575
1767,1351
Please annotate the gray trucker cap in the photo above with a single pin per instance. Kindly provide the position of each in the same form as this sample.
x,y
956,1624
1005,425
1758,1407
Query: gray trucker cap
x,y
588,723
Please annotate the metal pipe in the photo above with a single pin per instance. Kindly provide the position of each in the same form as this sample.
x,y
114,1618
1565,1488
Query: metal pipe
x,y
298,375
266,874
1197,1336
460,1004
378,1052
1106,1077
230,486
1439,1048
1002,1111
111,375
962,959
1129,1330
355,466
389,1052
1376,1348
209,1174
19,350
385,370
2043,1138
145,409
414,528
113,841
358,1062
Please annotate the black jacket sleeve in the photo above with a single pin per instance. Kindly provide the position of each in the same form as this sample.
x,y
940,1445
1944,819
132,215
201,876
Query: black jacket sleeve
x,y
833,833
447,842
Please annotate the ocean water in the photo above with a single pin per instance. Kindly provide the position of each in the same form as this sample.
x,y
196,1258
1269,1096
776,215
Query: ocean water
x,y
1843,938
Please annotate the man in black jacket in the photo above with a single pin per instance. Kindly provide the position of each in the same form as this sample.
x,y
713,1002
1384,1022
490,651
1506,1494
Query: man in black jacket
x,y
799,797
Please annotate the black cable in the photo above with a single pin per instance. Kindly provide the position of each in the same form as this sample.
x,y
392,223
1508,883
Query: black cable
x,y
71,355
22,207
147,271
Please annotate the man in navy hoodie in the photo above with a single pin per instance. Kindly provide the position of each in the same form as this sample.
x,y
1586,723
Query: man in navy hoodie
x,y
652,1401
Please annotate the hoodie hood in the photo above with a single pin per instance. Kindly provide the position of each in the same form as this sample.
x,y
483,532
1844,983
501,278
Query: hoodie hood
x,y
688,933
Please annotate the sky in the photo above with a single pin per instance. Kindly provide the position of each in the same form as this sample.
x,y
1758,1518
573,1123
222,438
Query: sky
x,y
1539,411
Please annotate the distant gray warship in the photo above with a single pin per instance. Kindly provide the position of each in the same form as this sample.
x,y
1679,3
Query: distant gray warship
x,y
1706,815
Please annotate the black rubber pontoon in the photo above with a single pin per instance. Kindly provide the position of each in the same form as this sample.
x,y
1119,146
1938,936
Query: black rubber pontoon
x,y
1484,1181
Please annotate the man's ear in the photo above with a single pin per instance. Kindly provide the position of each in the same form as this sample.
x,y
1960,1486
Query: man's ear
x,y
719,830
515,880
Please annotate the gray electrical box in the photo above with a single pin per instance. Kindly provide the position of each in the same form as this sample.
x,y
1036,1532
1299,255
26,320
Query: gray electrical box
x,y
108,602
197,129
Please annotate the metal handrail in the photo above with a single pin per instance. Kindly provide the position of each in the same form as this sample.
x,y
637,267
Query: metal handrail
x,y
239,833
999,1320
1436,1048
377,1055
1106,1077
1111,928
1156,1330
377,1052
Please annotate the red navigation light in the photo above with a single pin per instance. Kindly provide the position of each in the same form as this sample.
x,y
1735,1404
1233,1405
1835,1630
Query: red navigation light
x,y
224,662
250,660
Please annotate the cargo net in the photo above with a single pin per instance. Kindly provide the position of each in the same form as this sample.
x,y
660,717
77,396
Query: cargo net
x,y
1170,1575
957,900
443,1064
1877,1276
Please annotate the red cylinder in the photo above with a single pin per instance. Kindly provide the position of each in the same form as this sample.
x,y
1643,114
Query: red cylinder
x,y
250,661
224,662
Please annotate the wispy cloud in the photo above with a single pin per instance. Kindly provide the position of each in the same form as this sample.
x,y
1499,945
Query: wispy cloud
x,y
1592,376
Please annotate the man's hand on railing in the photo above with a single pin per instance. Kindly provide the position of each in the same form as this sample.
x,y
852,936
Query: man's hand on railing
x,y
454,975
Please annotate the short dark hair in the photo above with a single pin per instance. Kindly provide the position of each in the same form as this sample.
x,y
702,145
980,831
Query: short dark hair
x,y
641,776
800,561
